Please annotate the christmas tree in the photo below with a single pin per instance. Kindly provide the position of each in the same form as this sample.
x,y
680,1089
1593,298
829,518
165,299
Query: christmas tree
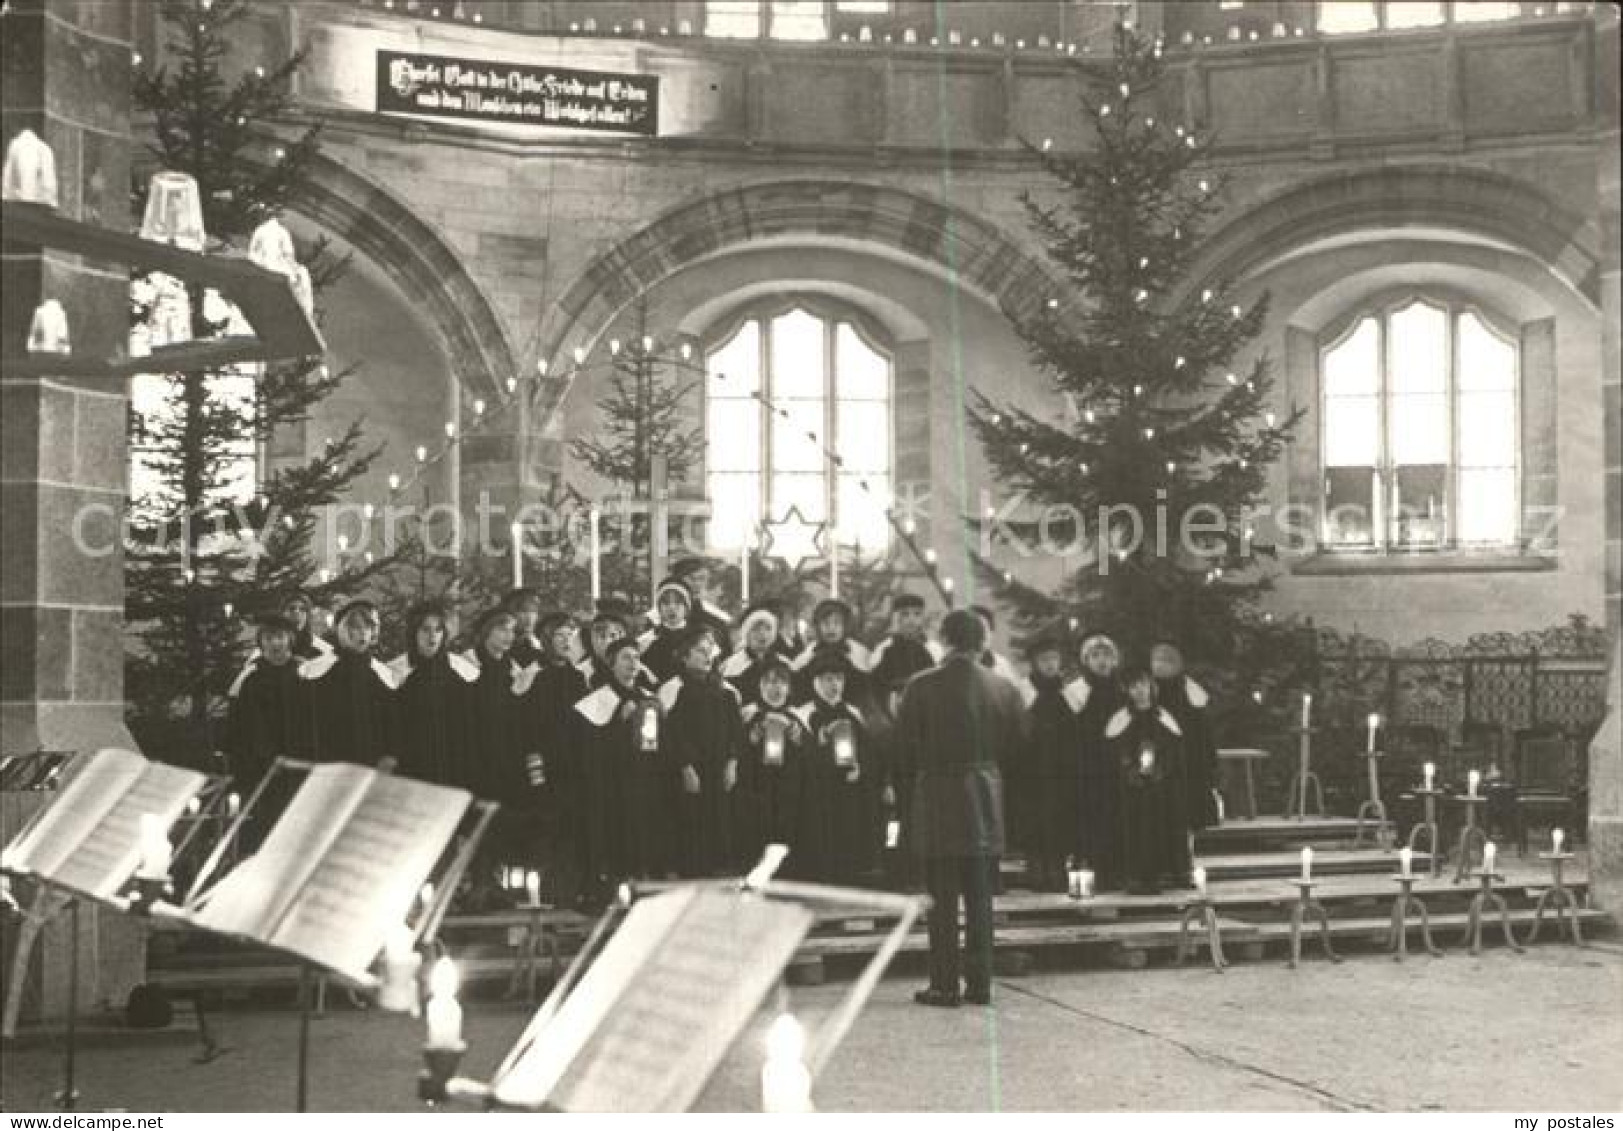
x,y
210,547
1162,433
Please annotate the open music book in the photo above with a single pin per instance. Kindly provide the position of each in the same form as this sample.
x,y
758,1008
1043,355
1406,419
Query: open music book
x,y
658,1010
341,867
88,839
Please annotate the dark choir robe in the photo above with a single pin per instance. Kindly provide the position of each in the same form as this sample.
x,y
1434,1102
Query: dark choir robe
x,y
743,671
629,803
1186,701
432,699
264,721
716,620
833,822
1147,748
702,730
898,659
768,791
1045,788
499,741
1094,701
854,660
554,691
349,709
658,648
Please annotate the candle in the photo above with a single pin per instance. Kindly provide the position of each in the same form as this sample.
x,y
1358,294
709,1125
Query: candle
x,y
1374,725
1472,780
532,885
193,806
744,573
1146,760
398,991
155,848
1307,710
648,729
845,746
1406,860
1489,852
516,540
1200,881
1431,773
893,833
1307,863
785,1080
233,804
444,1011
1556,837
597,553
772,749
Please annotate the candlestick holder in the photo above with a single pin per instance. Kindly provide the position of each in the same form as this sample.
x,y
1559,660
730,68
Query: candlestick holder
x,y
1304,782
1372,806
1306,905
1428,797
144,893
1560,896
1200,908
1471,834
1484,898
1406,898
439,1068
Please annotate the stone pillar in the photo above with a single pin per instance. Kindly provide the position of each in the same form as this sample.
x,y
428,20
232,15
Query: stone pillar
x,y
65,72
1606,752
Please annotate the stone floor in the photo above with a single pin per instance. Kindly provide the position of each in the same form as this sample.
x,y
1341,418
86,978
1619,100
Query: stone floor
x,y
1500,1032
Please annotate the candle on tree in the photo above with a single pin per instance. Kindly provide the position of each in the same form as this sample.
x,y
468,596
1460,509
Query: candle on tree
x,y
785,1080
1200,881
1307,863
1307,710
1406,860
233,804
155,849
444,1011
532,886
1430,769
1374,725
597,553
1556,839
1472,780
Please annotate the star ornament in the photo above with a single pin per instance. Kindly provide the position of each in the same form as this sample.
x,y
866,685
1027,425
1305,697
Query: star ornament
x,y
793,540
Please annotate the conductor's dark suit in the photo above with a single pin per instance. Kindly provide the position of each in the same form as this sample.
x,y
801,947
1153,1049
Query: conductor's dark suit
x,y
956,724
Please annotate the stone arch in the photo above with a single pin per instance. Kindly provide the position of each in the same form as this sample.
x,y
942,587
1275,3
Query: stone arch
x,y
963,245
419,262
1416,197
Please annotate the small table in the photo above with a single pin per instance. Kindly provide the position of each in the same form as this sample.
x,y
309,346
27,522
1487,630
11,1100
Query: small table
x,y
1559,895
1429,827
1471,834
1245,756
1304,782
1305,904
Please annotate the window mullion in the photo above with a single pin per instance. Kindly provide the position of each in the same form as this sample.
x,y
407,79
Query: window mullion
x,y
1385,474
767,500
831,486
1451,476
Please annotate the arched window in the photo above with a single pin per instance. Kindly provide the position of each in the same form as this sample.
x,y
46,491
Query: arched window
x,y
1420,426
798,414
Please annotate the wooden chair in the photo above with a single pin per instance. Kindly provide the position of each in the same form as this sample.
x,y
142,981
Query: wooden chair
x,y
1543,782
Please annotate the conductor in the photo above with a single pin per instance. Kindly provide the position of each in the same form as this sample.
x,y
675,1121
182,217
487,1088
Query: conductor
x,y
956,723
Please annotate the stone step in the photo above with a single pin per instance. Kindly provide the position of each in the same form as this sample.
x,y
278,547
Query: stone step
x,y
1286,864
1279,831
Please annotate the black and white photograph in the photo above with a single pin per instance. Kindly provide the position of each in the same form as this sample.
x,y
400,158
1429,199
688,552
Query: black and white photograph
x,y
811,556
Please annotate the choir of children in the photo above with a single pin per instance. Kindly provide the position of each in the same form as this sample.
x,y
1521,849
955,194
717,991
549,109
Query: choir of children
x,y
683,752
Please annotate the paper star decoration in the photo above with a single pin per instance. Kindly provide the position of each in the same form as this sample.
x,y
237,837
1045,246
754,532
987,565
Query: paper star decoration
x,y
792,539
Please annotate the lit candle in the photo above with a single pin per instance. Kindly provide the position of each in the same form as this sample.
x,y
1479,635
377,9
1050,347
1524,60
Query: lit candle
x,y
648,729
155,848
532,885
1406,860
1307,863
1431,773
772,748
893,833
785,1080
1489,852
845,746
1146,760
1472,780
1556,839
1307,710
1374,725
398,990
597,553
1200,881
516,540
444,1011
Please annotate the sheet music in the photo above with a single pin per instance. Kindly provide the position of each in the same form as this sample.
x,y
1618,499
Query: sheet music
x,y
106,859
254,896
68,818
368,878
656,1013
